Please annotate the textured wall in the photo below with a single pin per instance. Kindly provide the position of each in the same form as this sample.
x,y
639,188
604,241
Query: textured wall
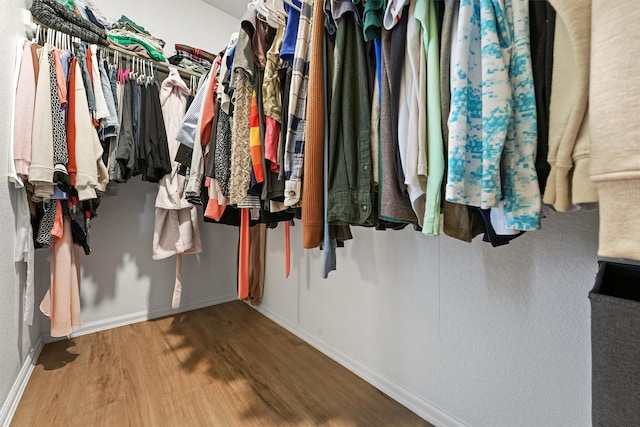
x,y
120,281
16,339
191,22
493,337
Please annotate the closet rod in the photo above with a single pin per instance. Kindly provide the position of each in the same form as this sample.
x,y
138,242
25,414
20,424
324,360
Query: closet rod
x,y
162,66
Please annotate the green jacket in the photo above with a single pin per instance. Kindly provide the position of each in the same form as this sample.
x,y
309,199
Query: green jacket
x,y
350,166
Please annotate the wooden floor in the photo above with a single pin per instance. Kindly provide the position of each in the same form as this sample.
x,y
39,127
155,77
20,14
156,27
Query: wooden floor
x,y
226,365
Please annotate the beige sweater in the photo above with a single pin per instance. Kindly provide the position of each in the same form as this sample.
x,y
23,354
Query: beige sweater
x,y
569,138
41,167
91,172
615,107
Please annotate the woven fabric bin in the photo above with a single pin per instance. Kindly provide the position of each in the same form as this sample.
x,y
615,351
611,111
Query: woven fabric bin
x,y
615,345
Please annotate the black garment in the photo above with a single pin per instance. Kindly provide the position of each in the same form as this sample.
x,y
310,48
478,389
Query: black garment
x,y
46,220
228,90
125,152
60,152
398,48
93,19
284,74
136,92
210,166
75,211
106,143
56,16
440,5
490,235
153,142
79,215
231,215
542,28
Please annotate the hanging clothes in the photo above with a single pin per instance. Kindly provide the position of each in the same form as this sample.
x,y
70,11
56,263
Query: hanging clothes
x,y
412,115
24,111
459,221
568,184
350,185
176,229
493,119
20,146
393,205
153,136
242,81
426,13
41,167
295,139
615,135
92,174
196,165
312,197
61,303
542,25
272,101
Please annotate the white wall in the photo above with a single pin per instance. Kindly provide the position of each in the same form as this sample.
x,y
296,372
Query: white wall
x,y
461,333
17,340
191,22
120,281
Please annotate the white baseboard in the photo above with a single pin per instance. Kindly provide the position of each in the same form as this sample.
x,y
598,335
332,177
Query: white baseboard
x,y
419,406
128,319
11,403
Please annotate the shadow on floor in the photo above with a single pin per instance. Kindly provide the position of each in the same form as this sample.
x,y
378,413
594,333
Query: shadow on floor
x,y
57,355
279,379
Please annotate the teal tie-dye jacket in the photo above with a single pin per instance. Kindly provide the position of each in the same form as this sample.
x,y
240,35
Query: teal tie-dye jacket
x,y
492,124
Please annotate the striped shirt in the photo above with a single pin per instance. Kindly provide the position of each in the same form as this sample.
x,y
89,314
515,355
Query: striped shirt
x,y
187,133
294,145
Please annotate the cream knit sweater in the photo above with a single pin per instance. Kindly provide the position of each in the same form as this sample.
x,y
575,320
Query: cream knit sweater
x,y
615,134
569,139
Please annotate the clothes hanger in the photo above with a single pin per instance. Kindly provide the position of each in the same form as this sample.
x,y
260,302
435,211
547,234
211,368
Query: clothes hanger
x,y
35,34
139,74
116,58
266,15
134,69
143,72
154,70
276,11
293,6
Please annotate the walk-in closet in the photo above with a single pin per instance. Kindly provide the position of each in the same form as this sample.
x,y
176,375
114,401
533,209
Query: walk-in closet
x,y
319,213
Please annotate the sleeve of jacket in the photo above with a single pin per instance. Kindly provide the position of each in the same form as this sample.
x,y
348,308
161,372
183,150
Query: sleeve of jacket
x,y
126,137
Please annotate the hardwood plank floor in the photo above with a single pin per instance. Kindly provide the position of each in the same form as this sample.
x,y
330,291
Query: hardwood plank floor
x,y
226,365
